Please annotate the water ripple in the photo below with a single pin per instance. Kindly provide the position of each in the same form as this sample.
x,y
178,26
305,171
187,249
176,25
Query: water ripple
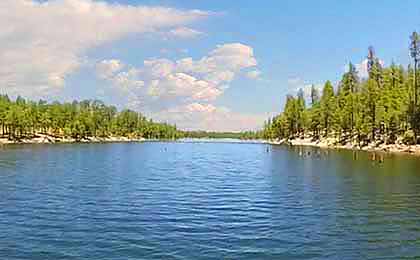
x,y
204,201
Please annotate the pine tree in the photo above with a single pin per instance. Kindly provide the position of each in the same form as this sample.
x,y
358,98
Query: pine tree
x,y
328,106
415,54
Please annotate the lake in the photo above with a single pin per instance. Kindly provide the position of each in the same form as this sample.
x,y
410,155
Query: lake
x,y
193,200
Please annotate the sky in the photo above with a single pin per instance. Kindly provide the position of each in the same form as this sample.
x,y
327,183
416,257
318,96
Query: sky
x,y
200,64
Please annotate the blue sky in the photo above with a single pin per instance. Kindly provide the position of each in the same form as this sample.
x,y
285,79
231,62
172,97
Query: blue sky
x,y
290,43
310,40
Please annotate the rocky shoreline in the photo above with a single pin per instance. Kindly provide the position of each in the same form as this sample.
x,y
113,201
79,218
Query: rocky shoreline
x,y
48,139
325,143
332,143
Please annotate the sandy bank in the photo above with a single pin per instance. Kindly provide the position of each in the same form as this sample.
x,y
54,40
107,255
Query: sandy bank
x,y
332,143
48,139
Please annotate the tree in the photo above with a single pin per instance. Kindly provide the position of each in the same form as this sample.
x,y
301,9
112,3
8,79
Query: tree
x,y
314,95
346,101
374,67
375,74
371,97
80,120
301,112
415,54
384,107
328,107
414,111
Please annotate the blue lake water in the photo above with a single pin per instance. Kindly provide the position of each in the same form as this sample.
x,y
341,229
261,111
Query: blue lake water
x,y
205,201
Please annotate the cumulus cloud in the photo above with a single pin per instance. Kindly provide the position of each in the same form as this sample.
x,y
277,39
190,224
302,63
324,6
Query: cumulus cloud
x,y
197,116
42,43
307,89
163,82
182,91
362,68
107,68
295,84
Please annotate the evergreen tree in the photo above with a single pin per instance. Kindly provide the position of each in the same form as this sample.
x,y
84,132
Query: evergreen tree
x,y
328,106
79,120
384,107
415,54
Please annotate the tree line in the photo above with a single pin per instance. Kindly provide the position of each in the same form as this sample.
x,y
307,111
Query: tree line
x,y
384,107
21,118
247,135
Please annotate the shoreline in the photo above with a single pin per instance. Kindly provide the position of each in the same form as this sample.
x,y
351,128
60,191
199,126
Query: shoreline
x,y
48,139
325,143
331,143
222,140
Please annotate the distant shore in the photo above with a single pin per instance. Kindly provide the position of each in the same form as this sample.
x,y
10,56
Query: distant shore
x,y
49,139
222,140
332,143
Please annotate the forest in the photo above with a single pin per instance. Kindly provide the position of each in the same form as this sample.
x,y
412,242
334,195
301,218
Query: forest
x,y
22,118
248,135
384,107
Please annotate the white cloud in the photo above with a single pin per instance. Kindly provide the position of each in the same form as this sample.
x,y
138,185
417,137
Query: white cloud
x,y
295,84
107,68
127,81
168,82
181,91
197,116
165,51
362,68
185,32
42,43
234,56
307,90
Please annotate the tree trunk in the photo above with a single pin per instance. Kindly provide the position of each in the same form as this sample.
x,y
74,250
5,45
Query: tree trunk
x,y
373,122
415,84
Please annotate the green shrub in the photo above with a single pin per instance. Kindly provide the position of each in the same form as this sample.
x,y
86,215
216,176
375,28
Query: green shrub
x,y
408,137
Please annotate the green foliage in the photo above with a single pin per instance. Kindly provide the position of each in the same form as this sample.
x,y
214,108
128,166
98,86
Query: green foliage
x,y
380,108
408,137
79,120
249,135
328,108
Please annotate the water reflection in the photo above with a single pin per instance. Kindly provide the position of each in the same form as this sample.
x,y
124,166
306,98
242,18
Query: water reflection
x,y
234,201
